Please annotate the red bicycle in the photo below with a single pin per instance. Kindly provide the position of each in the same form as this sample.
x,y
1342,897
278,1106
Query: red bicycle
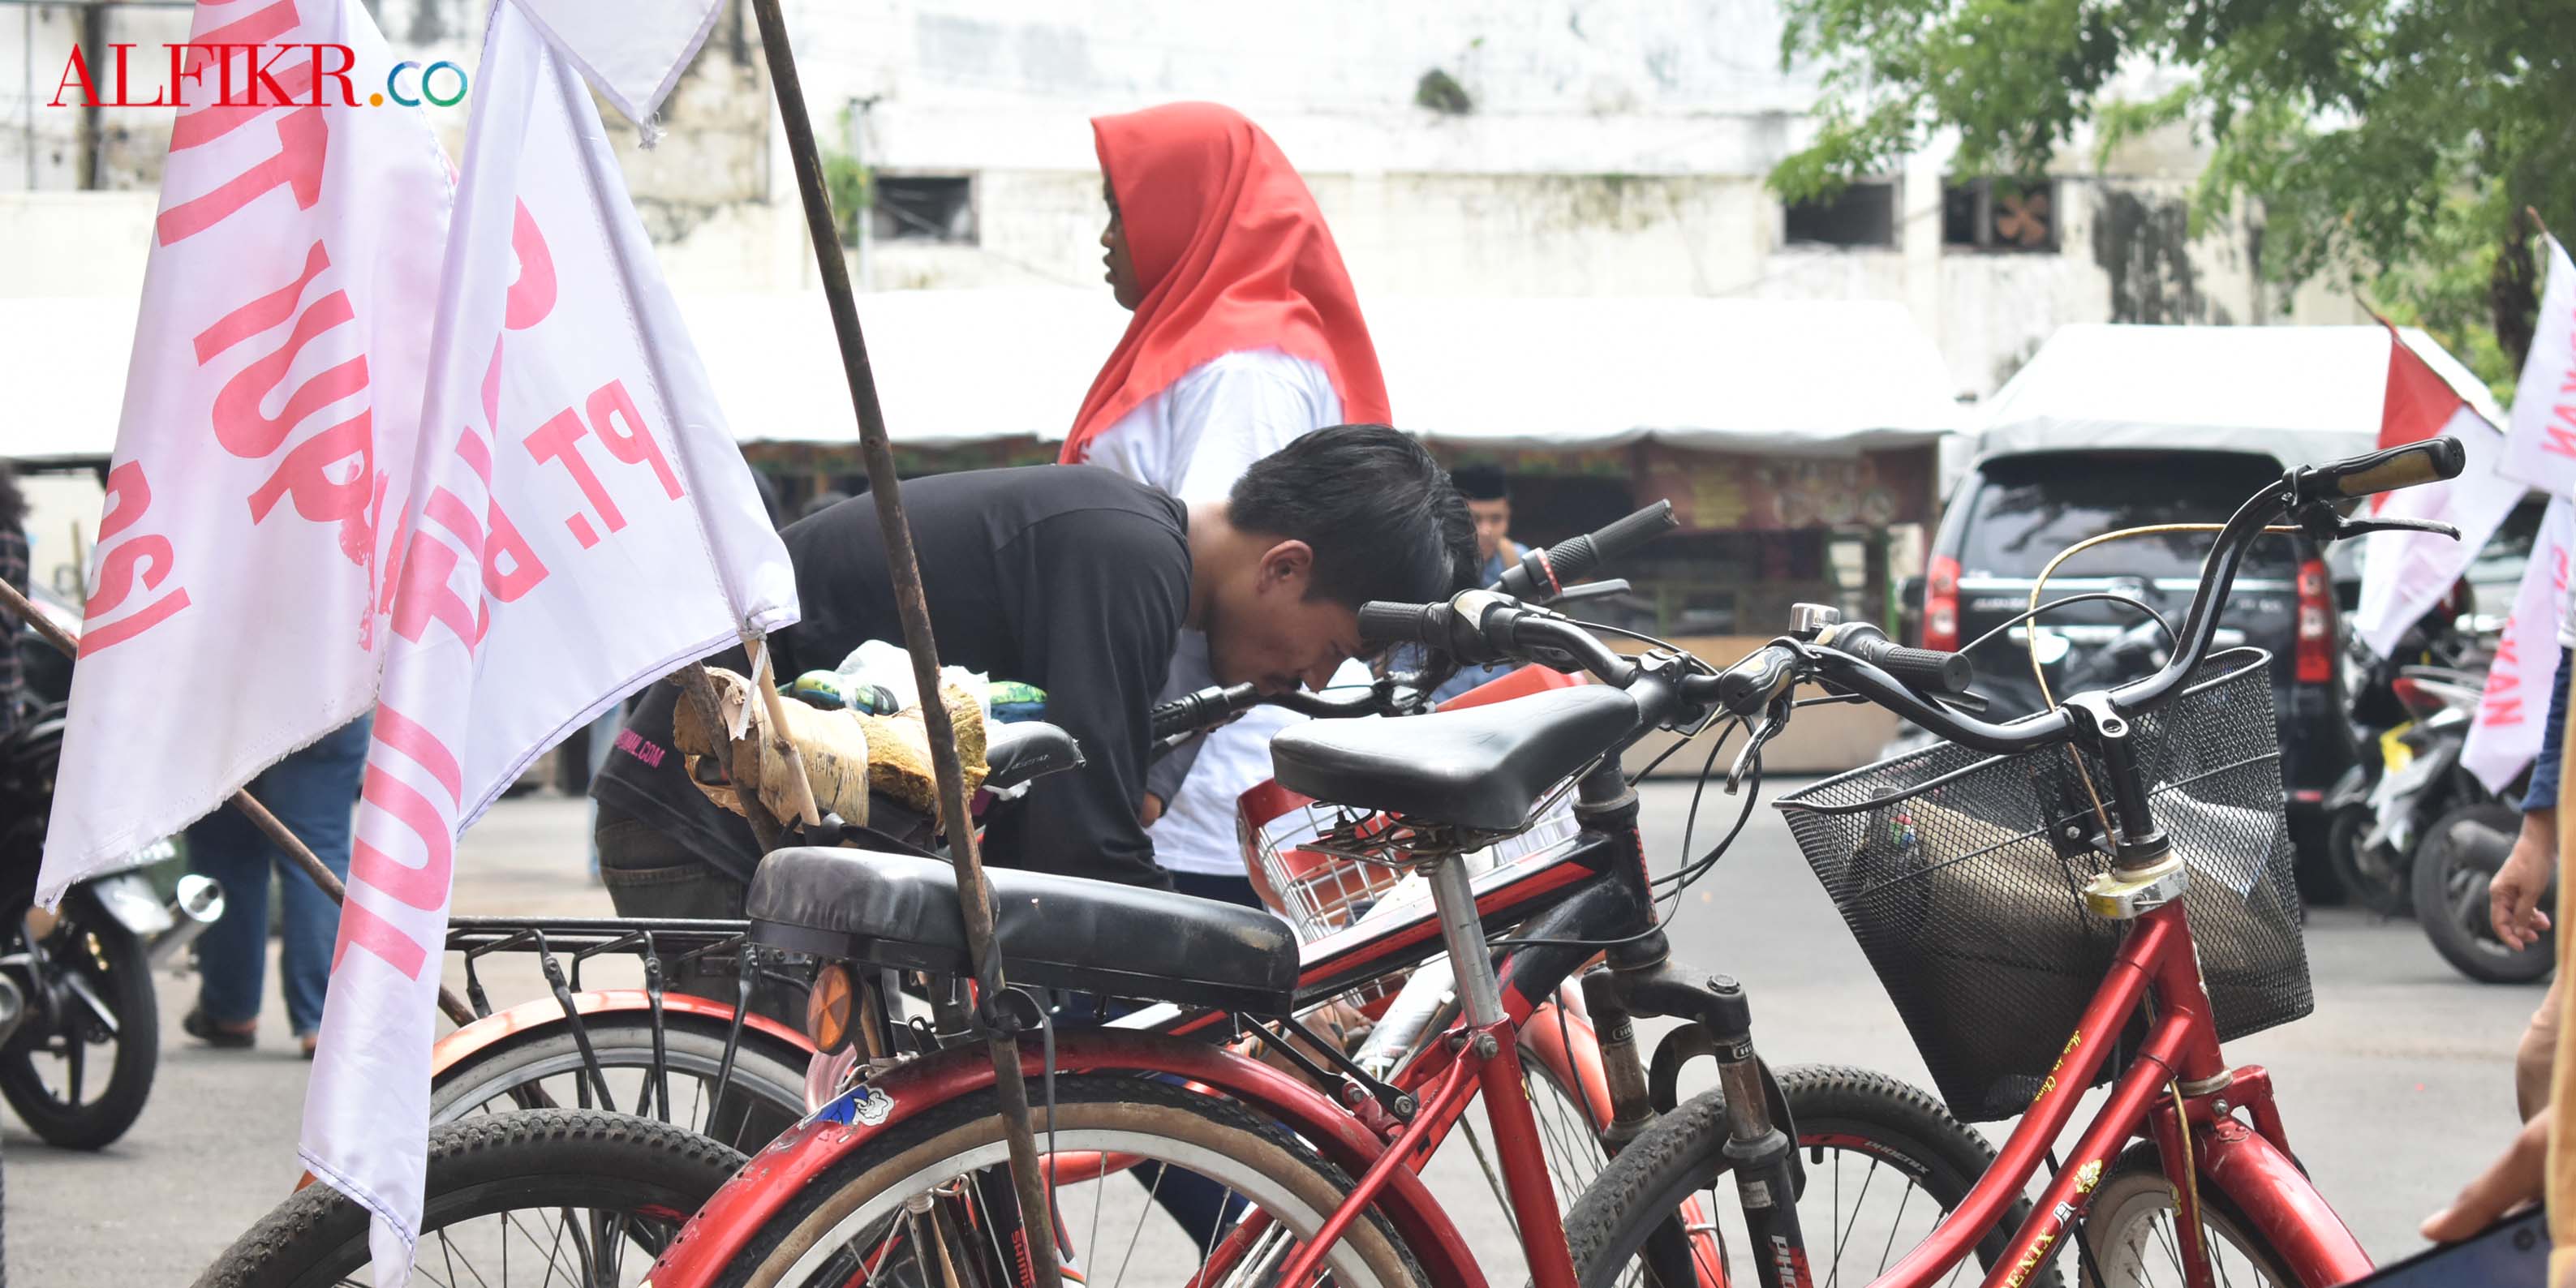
x,y
2129,840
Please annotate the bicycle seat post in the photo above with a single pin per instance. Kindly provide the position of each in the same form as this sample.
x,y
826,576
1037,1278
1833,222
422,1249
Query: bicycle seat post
x,y
1462,933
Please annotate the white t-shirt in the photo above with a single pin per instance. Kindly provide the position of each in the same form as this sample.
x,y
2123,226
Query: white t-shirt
x,y
1194,440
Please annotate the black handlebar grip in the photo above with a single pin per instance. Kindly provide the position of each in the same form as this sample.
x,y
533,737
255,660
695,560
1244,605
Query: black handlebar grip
x,y
2429,461
1749,685
1203,709
1578,557
1384,623
1932,670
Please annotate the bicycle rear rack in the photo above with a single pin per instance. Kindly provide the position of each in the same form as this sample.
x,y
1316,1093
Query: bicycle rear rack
x,y
588,937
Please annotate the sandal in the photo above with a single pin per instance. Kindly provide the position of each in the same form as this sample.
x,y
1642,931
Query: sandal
x,y
199,1026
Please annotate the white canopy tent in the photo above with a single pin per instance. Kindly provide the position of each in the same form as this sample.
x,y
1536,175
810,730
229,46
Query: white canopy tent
x,y
2303,394
961,366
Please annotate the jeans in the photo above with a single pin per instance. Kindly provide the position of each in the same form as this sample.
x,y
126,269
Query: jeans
x,y
315,793
649,874
603,739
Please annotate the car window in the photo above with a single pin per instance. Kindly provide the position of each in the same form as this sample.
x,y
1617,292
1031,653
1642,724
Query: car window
x,y
2030,508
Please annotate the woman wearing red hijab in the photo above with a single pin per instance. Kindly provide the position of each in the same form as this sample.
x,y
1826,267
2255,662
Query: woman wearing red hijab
x,y
1247,335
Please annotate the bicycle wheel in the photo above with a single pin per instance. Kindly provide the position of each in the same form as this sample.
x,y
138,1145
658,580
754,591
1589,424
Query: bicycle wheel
x,y
1569,1131
1884,1164
767,1093
2132,1238
911,1208
542,1197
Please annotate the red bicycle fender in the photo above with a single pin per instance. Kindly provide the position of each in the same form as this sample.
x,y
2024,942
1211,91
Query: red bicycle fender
x,y
540,1013
2285,1209
756,1194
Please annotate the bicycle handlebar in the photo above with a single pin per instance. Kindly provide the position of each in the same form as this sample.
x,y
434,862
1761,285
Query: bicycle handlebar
x,y
2428,461
1541,573
1759,677
1544,571
1484,626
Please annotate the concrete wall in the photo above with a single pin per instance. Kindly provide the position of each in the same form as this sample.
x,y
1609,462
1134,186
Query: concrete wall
x,y
1605,148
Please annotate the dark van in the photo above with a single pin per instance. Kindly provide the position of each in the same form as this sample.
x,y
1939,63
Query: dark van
x,y
2012,514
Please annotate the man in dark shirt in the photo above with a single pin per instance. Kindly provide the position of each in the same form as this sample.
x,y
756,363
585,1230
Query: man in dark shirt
x,y
1078,581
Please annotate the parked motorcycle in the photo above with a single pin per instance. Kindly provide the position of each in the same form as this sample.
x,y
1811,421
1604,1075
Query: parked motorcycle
x,y
76,982
2461,854
2405,778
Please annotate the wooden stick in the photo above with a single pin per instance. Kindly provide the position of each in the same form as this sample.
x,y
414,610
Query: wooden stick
x,y
278,833
2534,216
973,895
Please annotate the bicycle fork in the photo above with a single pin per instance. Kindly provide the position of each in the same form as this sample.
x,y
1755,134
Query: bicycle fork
x,y
1763,1155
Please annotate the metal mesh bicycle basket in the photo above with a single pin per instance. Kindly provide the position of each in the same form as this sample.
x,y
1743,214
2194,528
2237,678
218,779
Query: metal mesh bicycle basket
x,y
1327,867
1962,876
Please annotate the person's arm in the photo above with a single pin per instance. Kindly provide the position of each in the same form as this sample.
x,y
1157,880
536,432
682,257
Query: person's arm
x,y
1104,597
2513,1179
1230,413
2513,897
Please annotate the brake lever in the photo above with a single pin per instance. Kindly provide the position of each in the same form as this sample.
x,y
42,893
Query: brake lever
x,y
1774,719
1588,590
2362,527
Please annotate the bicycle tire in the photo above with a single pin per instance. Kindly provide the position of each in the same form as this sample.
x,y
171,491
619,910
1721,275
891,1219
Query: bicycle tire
x,y
1116,1114
1843,1109
537,1160
693,1048
2119,1228
120,970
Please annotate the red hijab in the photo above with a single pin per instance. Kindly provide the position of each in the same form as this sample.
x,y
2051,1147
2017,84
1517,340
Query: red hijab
x,y
1233,255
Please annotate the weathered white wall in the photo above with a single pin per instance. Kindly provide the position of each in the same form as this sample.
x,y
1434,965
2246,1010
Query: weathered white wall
x,y
1614,147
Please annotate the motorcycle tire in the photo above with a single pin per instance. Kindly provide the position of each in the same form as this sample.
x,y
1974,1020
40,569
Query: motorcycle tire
x,y
2368,884
2451,904
111,960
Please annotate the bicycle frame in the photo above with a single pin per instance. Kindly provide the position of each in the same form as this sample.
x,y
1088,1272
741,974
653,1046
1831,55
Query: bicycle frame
x,y
2249,1164
1596,889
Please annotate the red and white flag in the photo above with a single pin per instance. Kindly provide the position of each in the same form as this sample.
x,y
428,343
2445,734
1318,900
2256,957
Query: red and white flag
x,y
2403,574
2513,713
272,405
2540,449
582,524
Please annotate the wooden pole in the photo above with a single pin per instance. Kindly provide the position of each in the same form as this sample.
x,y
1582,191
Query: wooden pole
x,y
974,898
242,800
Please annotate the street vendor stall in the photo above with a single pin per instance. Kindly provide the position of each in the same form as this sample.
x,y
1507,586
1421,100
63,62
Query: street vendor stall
x,y
1796,439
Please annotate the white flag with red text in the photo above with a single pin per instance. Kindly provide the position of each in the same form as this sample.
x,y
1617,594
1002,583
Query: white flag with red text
x,y
582,524
2540,447
2404,574
264,453
2513,713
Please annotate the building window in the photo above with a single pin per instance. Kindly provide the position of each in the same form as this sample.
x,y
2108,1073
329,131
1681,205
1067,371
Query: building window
x,y
1863,214
1999,215
923,207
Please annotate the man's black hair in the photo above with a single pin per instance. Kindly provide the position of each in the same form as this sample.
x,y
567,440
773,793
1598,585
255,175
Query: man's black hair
x,y
1481,482
1378,511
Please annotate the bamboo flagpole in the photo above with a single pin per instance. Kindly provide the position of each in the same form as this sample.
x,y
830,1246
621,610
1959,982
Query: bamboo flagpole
x,y
242,800
974,898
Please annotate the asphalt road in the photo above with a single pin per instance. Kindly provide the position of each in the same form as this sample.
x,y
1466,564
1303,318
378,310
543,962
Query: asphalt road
x,y
2396,1090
